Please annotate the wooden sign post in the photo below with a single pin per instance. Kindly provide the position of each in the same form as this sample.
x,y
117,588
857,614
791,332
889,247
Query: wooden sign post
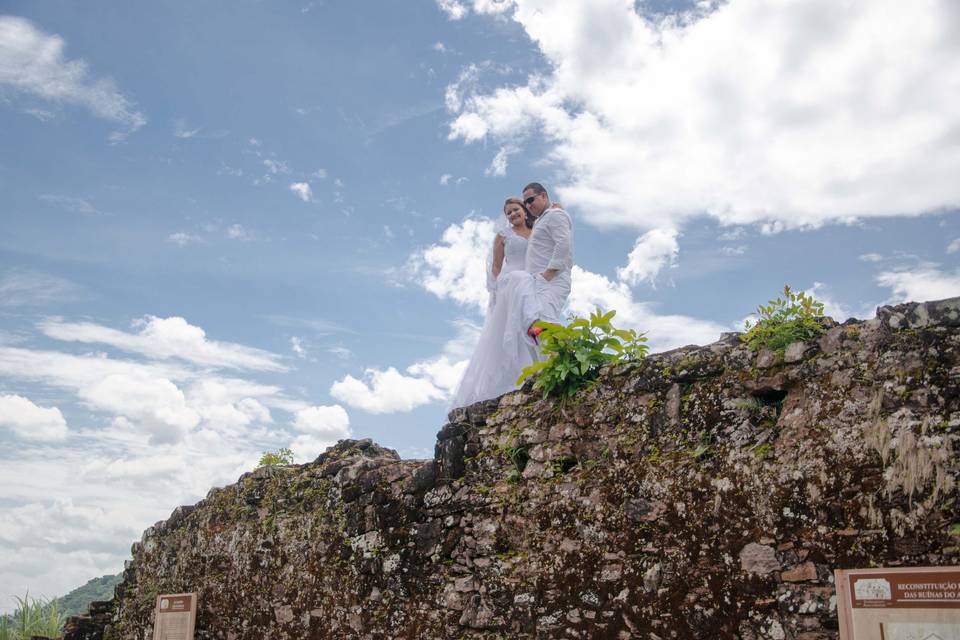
x,y
175,617
917,603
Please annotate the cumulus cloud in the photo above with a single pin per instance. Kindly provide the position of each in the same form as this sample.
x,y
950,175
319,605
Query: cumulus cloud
x,y
750,111
29,421
653,250
167,399
455,10
426,381
954,246
302,190
163,338
920,284
455,267
160,431
33,62
329,422
385,391
320,427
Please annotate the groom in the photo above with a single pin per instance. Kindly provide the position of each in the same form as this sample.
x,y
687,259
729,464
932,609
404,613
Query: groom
x,y
549,253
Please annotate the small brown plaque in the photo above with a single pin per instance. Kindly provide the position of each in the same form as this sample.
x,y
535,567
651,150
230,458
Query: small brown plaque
x,y
917,603
176,616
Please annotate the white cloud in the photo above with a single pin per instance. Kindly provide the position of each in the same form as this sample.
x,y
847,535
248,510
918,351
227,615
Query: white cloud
x,y
157,405
738,250
921,284
430,380
385,391
755,112
439,47
734,234
320,427
296,345
182,239
253,142
836,310
69,203
871,257
19,287
320,173
954,246
591,290
33,62
329,422
29,421
182,130
442,372
653,250
498,166
156,434
455,10
276,166
237,232
40,114
341,352
447,179
303,190
164,338
455,268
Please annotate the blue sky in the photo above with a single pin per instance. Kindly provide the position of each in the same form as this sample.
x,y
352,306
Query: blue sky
x,y
231,227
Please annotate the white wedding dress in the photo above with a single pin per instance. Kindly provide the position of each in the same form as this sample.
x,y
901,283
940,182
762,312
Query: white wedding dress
x,y
504,348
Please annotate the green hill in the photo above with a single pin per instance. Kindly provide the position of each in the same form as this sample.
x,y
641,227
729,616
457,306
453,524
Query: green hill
x,y
77,601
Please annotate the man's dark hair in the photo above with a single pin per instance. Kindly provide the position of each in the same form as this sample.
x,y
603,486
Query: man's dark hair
x,y
536,187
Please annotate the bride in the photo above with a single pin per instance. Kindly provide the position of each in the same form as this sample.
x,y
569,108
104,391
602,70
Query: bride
x,y
504,348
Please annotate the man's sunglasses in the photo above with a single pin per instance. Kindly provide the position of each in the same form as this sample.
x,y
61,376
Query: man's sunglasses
x,y
529,201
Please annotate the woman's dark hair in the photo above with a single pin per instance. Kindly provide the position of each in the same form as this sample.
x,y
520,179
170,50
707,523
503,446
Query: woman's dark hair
x,y
527,217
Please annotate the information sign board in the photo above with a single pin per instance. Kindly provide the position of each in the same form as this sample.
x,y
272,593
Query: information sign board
x,y
175,617
916,603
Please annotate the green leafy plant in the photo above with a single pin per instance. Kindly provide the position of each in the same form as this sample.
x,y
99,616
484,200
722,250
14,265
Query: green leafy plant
x,y
32,617
576,352
280,456
791,318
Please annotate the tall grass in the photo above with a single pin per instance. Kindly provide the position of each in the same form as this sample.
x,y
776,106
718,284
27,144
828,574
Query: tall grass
x,y
32,617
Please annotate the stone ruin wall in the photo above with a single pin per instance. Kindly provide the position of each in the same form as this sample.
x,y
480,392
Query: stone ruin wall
x,y
708,492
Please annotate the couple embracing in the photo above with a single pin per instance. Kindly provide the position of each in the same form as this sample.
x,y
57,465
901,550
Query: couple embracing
x,y
528,280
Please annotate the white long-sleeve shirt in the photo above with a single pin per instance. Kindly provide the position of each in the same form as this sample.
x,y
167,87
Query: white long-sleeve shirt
x,y
551,247
551,243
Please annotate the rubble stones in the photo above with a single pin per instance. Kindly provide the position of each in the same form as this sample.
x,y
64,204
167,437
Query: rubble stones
x,y
758,558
